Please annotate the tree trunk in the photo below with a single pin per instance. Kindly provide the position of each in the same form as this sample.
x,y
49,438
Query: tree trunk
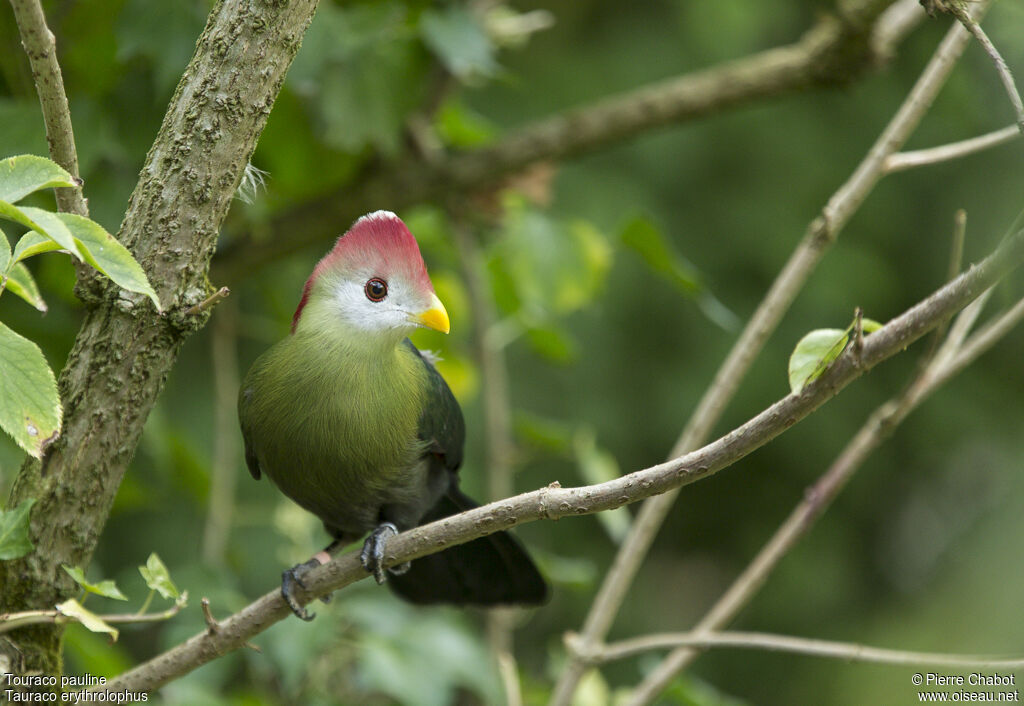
x,y
125,349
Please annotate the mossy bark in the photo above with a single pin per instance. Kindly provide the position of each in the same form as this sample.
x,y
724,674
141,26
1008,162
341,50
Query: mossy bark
x,y
125,348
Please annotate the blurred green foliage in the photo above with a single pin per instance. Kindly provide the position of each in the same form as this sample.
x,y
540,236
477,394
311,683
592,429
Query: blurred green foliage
x,y
615,286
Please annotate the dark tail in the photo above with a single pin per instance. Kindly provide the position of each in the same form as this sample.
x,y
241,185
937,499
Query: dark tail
x,y
488,571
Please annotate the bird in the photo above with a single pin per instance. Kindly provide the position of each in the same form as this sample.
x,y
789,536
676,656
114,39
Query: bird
x,y
352,422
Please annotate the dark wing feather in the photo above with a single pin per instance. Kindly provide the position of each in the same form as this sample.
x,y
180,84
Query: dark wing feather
x,y
441,424
491,570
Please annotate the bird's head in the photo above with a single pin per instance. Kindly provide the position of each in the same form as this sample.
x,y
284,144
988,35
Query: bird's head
x,y
373,283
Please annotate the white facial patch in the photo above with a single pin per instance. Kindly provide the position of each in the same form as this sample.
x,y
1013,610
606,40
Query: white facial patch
x,y
390,314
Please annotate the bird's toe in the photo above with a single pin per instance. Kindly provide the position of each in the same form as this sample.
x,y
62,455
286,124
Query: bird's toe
x,y
372,554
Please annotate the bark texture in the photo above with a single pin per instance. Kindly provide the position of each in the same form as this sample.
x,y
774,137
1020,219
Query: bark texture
x,y
125,348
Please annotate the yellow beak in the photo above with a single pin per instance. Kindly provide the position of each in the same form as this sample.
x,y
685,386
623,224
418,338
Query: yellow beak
x,y
434,317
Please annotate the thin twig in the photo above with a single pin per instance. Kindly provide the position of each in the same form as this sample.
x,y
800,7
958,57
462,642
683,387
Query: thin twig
x,y
41,47
224,466
211,623
818,238
555,502
209,302
1002,69
805,646
955,150
13,621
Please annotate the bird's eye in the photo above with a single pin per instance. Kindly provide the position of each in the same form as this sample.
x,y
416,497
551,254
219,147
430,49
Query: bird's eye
x,y
376,289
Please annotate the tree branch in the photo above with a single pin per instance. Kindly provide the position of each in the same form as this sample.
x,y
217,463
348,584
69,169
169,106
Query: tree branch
x,y
805,646
554,502
820,235
835,51
955,150
878,427
41,47
1002,69
125,349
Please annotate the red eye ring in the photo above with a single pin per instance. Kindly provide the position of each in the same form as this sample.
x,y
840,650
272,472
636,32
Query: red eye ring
x,y
376,289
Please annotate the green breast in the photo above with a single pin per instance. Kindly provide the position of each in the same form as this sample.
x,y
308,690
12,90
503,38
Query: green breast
x,y
335,426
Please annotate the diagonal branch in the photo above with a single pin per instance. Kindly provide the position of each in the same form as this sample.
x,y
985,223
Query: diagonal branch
x,y
952,357
554,502
836,50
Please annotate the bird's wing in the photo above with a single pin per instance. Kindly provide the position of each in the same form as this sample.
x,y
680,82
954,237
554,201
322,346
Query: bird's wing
x,y
441,424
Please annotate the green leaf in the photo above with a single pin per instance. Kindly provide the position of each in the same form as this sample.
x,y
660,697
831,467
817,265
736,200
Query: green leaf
x,y
30,408
20,282
14,539
869,325
158,578
42,222
545,267
461,44
106,588
641,236
73,609
5,252
32,243
813,354
102,250
552,343
21,175
460,126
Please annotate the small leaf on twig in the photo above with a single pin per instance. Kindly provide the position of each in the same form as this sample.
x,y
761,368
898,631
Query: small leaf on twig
x,y
73,609
813,354
158,578
106,588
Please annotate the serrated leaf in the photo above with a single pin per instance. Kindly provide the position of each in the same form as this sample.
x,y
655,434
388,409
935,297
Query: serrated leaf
x,y
103,251
30,408
20,282
43,222
32,243
813,354
106,588
23,174
458,40
5,252
14,539
158,578
73,609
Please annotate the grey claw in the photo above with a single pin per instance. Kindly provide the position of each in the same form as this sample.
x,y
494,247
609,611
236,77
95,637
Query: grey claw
x,y
293,577
372,554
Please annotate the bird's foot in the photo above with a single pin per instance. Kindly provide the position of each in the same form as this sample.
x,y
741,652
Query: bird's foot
x,y
293,577
372,555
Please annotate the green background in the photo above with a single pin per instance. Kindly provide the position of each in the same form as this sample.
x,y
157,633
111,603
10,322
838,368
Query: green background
x,y
607,353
